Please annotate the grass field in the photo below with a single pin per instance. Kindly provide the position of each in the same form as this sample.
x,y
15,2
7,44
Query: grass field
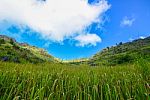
x,y
71,82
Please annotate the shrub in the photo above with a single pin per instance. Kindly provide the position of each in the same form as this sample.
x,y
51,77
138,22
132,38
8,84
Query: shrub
x,y
5,58
2,41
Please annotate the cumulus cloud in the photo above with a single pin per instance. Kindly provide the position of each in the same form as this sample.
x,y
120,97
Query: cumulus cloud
x,y
54,20
87,39
127,21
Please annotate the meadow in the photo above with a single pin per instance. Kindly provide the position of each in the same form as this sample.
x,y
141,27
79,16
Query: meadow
x,y
51,81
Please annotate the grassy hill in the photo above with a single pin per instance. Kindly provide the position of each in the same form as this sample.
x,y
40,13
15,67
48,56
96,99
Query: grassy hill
x,y
12,51
123,53
128,79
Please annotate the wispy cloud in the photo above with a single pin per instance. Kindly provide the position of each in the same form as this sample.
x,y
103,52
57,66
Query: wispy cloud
x,y
87,39
127,21
55,20
142,37
139,37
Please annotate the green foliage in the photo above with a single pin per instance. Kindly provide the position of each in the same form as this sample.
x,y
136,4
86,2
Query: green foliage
x,y
16,54
144,68
12,51
2,41
50,81
128,78
123,53
120,59
12,41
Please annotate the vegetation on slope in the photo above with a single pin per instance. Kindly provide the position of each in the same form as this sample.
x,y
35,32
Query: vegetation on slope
x,y
72,80
123,53
12,51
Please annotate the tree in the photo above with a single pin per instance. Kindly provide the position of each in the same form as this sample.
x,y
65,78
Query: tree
x,y
2,41
107,48
12,41
120,43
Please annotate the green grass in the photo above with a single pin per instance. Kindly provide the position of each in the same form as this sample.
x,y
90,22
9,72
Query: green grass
x,y
70,82
12,51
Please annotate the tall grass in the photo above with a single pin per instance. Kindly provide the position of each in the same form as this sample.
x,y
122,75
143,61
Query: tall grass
x,y
70,82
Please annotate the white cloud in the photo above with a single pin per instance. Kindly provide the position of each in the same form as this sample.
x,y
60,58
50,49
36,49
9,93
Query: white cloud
x,y
87,39
55,20
142,37
139,37
127,21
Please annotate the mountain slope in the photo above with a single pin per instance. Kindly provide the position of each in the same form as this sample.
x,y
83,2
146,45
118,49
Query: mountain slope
x,y
12,51
123,53
129,52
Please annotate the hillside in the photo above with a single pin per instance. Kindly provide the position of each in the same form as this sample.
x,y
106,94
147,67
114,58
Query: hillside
x,y
11,50
129,52
123,53
75,79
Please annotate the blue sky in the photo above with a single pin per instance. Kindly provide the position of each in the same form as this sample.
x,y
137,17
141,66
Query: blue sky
x,y
121,21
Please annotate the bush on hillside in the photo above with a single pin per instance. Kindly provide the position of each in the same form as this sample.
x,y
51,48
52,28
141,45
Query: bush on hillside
x,y
2,41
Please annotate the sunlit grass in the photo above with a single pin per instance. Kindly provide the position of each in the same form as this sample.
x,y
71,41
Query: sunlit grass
x,y
70,82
